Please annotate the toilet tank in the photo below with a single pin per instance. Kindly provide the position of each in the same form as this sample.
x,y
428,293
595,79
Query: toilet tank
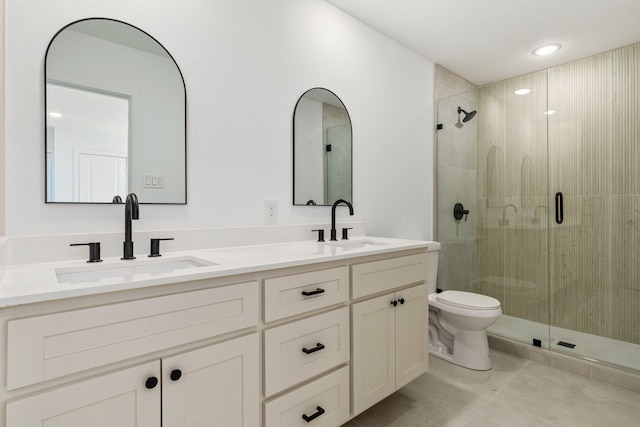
x,y
433,252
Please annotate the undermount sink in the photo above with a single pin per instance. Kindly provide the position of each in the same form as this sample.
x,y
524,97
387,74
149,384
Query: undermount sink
x,y
356,244
127,269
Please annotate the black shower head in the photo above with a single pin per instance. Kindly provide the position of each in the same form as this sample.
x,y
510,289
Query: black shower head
x,y
467,116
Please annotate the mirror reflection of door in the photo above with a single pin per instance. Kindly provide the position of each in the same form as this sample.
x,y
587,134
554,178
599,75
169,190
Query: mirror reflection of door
x,y
99,176
81,123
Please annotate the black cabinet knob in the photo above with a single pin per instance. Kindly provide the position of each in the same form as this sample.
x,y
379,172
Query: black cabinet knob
x,y
175,375
94,250
151,382
394,303
401,300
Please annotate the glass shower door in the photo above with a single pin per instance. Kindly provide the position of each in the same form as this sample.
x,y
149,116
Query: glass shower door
x,y
594,158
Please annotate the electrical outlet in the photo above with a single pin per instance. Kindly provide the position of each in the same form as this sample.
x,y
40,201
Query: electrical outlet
x,y
271,211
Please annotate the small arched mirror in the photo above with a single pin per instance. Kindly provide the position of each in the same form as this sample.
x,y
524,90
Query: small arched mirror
x,y
115,116
321,149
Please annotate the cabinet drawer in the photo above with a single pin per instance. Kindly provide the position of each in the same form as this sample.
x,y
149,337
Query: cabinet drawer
x,y
283,296
50,346
326,399
299,350
380,276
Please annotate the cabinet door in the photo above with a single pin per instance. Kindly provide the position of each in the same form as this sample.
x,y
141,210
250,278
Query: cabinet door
x,y
118,399
412,320
213,386
373,351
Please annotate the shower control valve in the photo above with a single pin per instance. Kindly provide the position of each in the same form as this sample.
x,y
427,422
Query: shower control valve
x,y
459,211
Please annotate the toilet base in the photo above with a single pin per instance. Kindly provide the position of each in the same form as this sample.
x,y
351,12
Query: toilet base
x,y
470,350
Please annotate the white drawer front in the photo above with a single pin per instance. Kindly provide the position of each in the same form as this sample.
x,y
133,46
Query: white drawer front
x,y
380,276
51,346
283,296
326,399
299,350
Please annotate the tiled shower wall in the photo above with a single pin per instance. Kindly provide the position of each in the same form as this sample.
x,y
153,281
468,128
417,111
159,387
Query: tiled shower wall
x,y
584,274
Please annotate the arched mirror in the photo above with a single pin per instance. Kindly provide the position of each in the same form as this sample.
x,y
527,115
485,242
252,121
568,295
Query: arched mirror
x,y
115,116
321,149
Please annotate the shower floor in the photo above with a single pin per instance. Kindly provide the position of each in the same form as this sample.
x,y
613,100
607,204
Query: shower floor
x,y
612,352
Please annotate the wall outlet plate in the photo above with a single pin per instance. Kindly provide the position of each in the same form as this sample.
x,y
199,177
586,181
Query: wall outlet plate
x,y
271,211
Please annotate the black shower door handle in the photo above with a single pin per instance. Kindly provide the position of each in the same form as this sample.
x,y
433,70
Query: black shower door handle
x,y
559,208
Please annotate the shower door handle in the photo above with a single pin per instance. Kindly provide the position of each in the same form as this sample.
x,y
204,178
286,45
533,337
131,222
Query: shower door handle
x,y
559,208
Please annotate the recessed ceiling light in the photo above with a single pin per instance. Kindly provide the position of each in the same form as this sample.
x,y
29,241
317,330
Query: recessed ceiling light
x,y
550,112
546,49
522,91
54,114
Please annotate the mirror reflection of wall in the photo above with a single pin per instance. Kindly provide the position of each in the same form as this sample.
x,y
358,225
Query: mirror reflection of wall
x,y
116,119
322,149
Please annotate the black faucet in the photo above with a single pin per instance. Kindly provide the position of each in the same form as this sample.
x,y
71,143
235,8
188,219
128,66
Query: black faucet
x,y
333,216
131,211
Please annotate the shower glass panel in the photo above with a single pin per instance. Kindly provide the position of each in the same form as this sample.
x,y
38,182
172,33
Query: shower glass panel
x,y
456,176
512,261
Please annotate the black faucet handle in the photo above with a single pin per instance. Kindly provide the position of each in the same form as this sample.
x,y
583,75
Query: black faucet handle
x,y
155,246
320,234
345,233
94,250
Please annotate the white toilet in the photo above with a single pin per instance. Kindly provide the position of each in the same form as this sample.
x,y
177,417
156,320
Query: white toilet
x,y
458,321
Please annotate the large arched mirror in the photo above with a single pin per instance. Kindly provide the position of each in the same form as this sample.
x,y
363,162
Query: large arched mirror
x,y
321,149
115,116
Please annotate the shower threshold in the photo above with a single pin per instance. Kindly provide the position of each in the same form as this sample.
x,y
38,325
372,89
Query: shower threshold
x,y
608,351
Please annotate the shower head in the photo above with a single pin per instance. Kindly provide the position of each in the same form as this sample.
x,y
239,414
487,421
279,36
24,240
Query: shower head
x,y
467,116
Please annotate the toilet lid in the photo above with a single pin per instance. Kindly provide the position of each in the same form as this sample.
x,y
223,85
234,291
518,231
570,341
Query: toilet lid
x,y
468,300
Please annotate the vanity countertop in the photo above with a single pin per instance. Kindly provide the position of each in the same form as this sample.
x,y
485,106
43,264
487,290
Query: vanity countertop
x,y
26,284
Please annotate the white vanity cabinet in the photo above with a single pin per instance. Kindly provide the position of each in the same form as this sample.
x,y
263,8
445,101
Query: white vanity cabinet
x,y
390,336
214,385
311,342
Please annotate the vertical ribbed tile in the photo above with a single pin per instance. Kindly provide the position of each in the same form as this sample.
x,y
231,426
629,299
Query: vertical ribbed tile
x,y
583,275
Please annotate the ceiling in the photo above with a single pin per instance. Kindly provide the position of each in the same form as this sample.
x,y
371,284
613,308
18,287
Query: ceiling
x,y
491,40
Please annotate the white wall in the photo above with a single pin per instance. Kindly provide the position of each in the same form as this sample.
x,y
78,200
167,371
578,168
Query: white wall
x,y
245,64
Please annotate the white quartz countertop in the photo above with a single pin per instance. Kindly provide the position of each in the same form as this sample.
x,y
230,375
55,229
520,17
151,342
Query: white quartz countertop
x,y
26,284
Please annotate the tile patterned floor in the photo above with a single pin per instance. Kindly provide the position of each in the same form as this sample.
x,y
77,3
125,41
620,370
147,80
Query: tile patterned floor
x,y
516,392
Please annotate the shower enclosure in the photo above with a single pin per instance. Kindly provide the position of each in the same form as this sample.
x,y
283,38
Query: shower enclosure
x,y
551,179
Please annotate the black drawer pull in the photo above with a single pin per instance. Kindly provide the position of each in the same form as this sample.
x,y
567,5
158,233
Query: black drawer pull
x,y
309,418
559,208
318,347
316,292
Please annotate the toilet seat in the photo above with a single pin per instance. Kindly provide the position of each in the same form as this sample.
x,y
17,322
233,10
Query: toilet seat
x,y
467,300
